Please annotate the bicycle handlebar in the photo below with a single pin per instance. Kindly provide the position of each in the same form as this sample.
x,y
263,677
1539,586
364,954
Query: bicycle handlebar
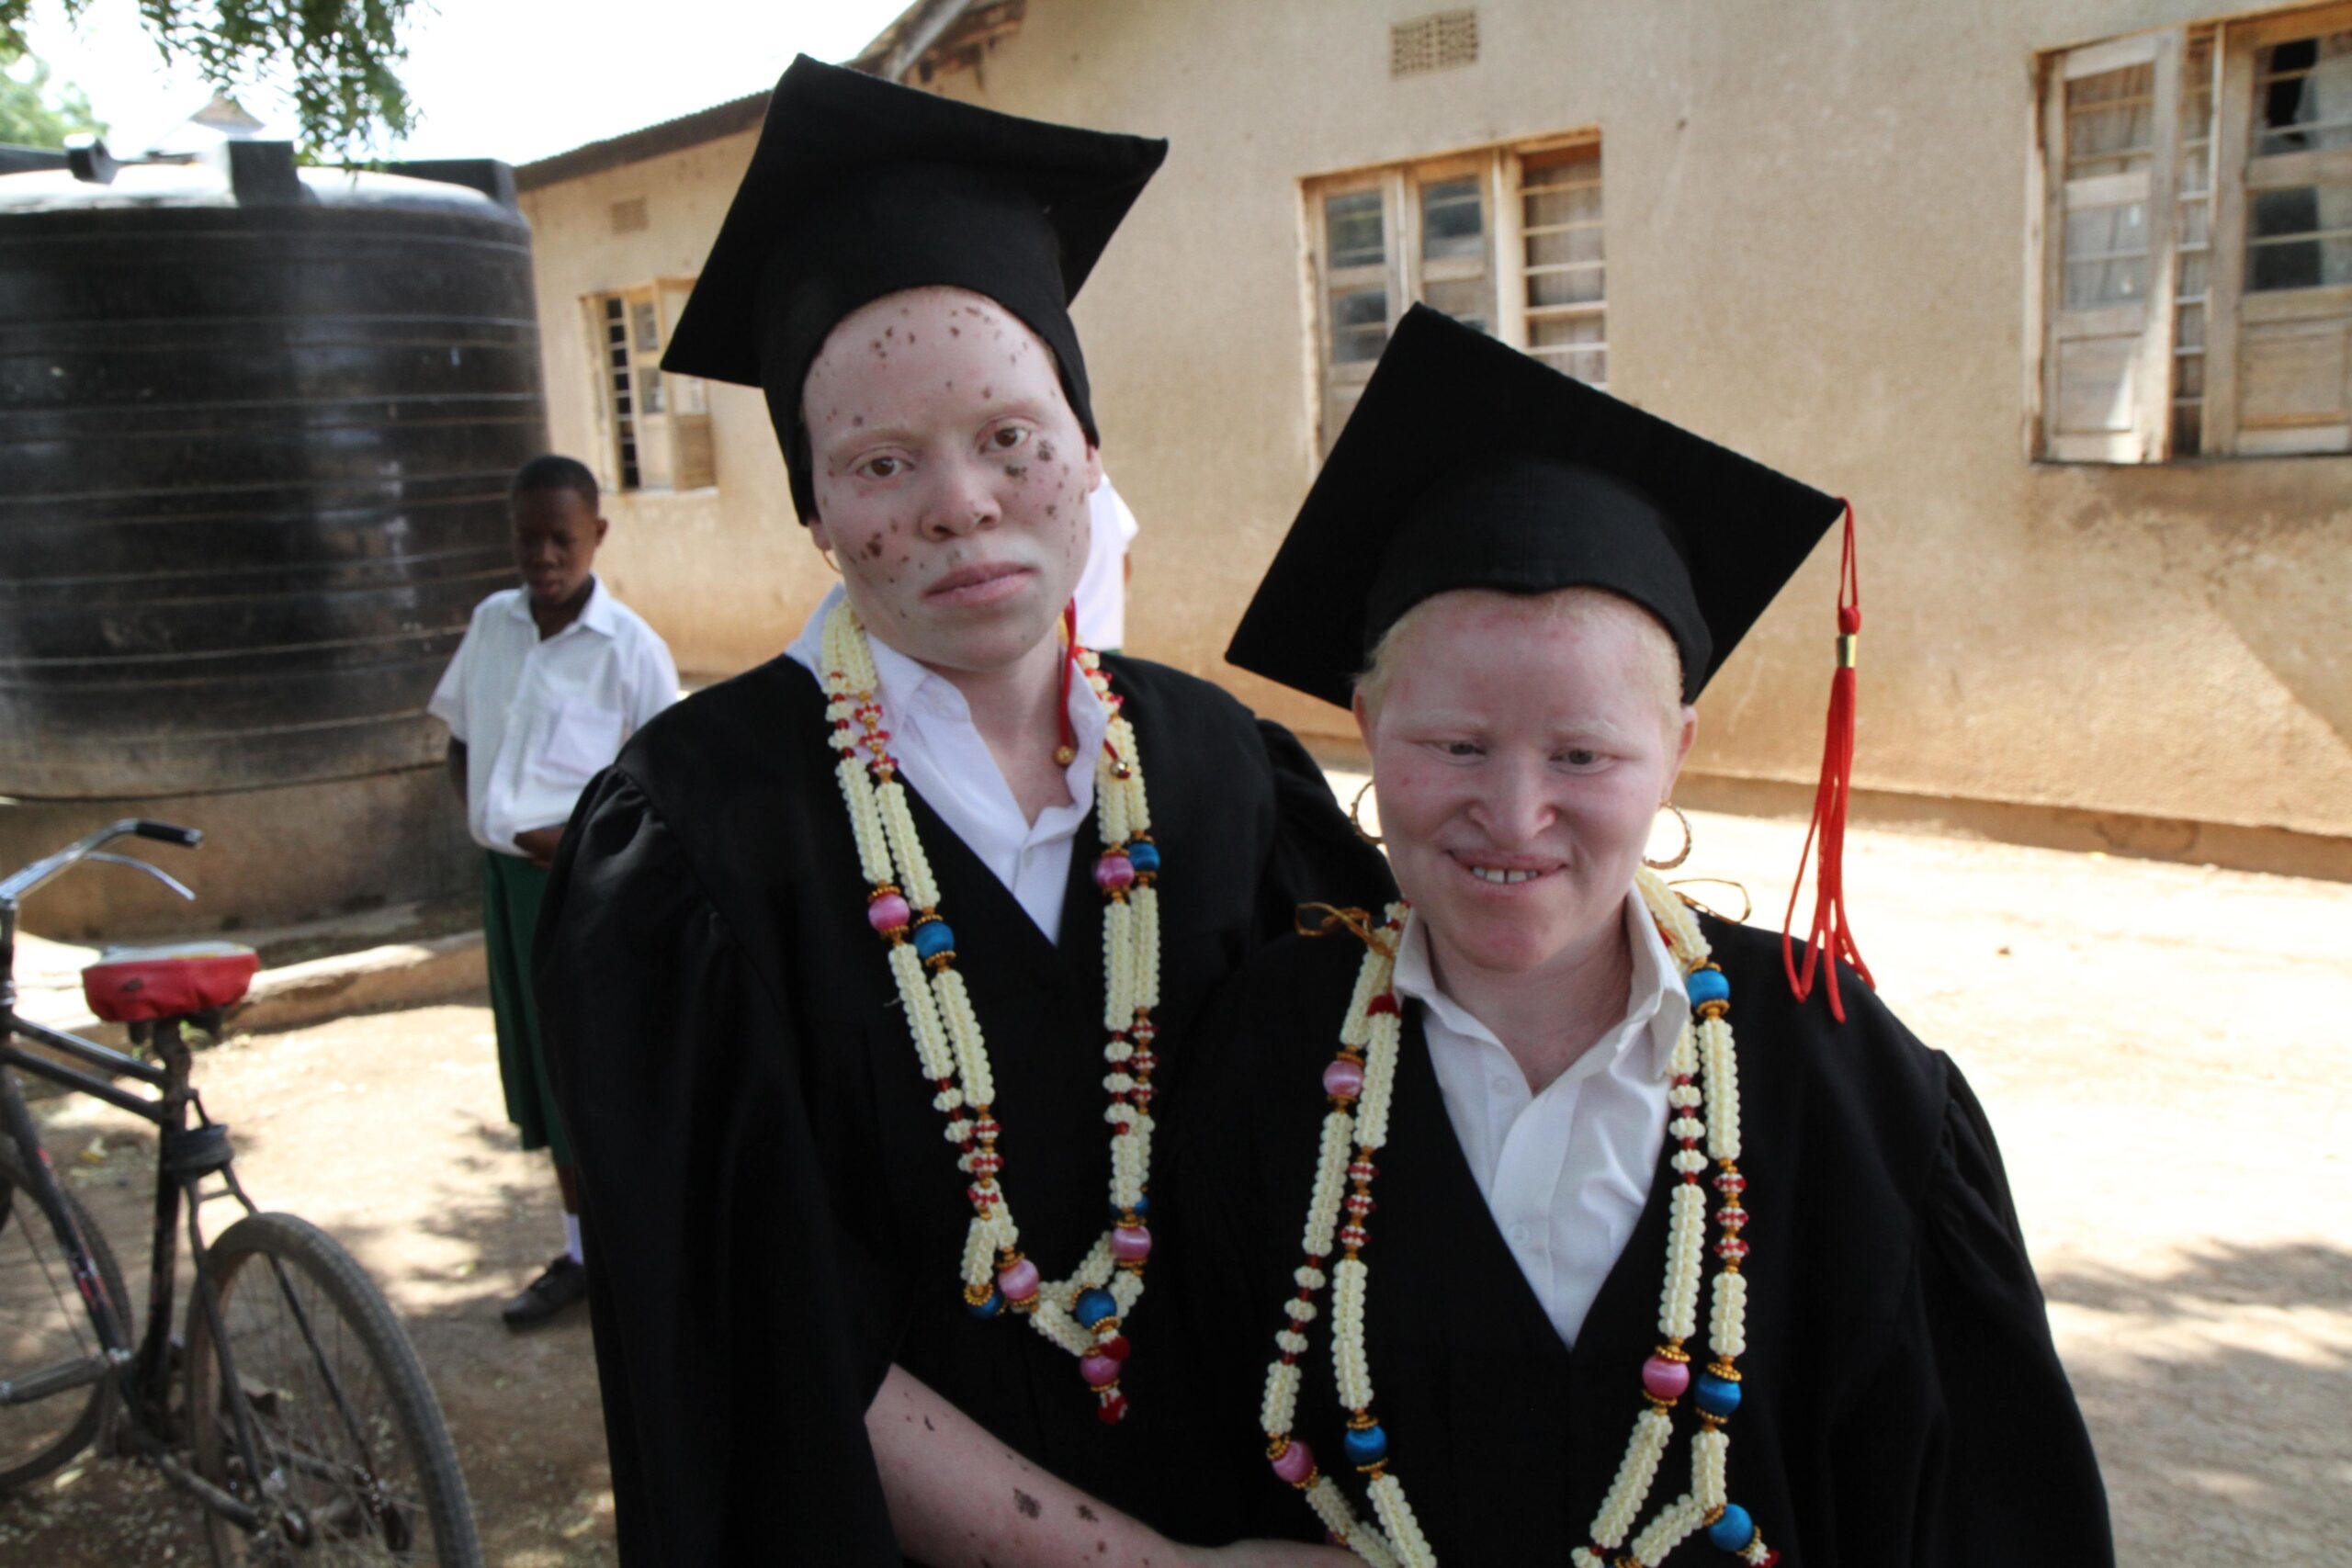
x,y
32,877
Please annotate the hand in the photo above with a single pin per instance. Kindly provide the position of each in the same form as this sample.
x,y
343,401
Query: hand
x,y
538,845
1274,1554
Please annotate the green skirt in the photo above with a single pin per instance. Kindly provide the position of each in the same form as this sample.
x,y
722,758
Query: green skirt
x,y
511,890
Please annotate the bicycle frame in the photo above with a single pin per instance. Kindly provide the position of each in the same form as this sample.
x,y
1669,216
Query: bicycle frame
x,y
140,1378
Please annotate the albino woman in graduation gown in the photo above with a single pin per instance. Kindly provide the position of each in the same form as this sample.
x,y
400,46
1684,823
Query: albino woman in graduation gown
x,y
777,1230
1536,569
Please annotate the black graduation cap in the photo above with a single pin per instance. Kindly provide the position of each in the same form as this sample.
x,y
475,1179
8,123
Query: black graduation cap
x,y
1467,464
860,187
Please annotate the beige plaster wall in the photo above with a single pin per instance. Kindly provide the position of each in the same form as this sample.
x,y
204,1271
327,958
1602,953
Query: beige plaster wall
x,y
1816,246
726,574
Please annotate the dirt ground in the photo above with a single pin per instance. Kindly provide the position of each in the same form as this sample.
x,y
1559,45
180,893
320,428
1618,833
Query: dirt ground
x,y
2162,1049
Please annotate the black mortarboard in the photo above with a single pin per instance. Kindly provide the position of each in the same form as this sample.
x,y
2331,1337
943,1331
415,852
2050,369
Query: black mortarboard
x,y
1467,464
860,187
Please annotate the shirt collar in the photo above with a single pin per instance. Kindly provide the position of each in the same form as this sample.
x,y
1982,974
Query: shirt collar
x,y
1656,998
596,615
911,690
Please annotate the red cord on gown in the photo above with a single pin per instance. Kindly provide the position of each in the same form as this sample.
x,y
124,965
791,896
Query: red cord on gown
x,y
1830,935
1070,668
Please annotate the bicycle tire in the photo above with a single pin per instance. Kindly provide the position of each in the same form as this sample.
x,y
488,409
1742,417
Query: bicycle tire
x,y
378,1505
33,1333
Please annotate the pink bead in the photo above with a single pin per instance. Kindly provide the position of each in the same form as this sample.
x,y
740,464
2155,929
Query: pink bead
x,y
1019,1282
1113,872
1130,1244
1100,1371
1344,1080
888,913
1664,1379
1295,1462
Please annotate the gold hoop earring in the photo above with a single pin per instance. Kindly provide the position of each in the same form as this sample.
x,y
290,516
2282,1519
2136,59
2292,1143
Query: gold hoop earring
x,y
1680,855
1375,839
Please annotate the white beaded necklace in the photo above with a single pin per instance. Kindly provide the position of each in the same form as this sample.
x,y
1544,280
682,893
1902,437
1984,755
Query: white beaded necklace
x,y
1361,1084
1083,1313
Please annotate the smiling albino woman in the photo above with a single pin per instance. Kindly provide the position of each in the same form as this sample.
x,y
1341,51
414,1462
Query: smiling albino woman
x,y
1613,1250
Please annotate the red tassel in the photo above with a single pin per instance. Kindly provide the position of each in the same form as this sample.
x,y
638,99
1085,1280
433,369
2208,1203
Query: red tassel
x,y
1830,935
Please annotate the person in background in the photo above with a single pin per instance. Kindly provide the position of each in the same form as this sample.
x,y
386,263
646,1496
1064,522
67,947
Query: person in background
x,y
551,679
1102,593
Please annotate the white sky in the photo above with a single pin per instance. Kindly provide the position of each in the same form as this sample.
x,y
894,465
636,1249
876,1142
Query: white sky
x,y
512,79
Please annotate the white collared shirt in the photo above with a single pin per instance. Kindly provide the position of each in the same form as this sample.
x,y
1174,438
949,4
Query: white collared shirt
x,y
1566,1171
539,717
940,752
1101,590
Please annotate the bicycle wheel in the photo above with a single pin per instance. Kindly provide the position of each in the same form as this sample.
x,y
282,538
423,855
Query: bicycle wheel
x,y
358,1466
44,1323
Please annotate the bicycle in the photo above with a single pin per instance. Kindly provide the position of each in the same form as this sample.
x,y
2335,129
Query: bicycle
x,y
306,1428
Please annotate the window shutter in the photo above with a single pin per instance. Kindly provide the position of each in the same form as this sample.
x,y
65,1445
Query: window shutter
x,y
2110,132
2281,378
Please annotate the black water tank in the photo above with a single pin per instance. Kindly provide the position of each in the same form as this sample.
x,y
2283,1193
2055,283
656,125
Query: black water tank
x,y
255,428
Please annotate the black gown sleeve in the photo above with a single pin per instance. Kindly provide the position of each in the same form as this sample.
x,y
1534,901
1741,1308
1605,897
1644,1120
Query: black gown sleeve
x,y
1317,856
2016,1481
735,1378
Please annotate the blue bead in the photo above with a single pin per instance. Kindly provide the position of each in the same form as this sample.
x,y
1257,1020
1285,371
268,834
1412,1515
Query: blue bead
x,y
933,938
1708,985
1142,1206
1734,1531
1715,1396
991,1307
1143,856
1093,1307
1367,1445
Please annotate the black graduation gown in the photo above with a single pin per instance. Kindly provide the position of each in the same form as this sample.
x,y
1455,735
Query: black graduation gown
x,y
772,1213
1902,1401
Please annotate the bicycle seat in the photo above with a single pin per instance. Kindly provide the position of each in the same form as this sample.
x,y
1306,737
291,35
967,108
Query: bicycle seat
x,y
133,984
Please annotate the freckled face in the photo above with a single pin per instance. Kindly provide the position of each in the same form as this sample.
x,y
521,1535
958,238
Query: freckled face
x,y
950,476
1519,758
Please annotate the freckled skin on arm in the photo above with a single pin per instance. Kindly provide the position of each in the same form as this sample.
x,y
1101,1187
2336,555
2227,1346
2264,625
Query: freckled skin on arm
x,y
961,1499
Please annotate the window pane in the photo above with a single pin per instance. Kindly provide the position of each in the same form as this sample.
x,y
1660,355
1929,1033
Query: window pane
x,y
2191,330
1466,300
1574,285
1564,245
2089,285
2110,121
2194,216
2300,237
1587,364
650,379
2188,429
612,310
1359,324
2192,276
2303,94
1453,218
1353,230
1545,209
648,325
2189,376
1561,332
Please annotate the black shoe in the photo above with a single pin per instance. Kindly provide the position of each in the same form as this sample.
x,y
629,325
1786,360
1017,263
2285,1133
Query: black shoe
x,y
563,1284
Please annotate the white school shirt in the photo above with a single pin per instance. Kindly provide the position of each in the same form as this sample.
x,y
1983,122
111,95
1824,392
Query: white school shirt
x,y
1565,1172
540,716
1102,592
940,752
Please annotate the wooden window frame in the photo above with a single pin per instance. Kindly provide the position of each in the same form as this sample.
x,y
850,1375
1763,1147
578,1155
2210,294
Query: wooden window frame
x,y
684,437
1405,271
2237,324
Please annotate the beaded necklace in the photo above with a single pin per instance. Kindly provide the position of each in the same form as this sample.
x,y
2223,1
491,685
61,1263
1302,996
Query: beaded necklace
x,y
1083,1313
1361,1082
